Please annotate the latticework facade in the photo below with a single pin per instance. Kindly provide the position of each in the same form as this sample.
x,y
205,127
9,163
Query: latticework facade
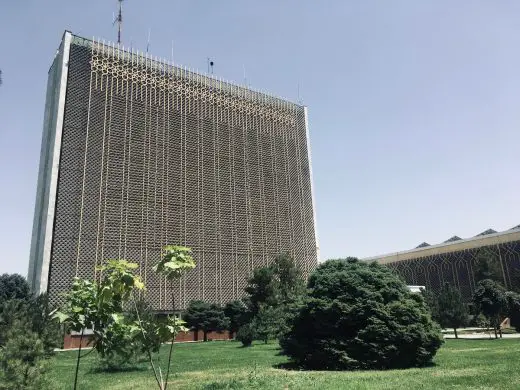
x,y
455,262
149,154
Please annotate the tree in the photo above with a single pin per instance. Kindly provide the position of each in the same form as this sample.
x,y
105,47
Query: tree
x,y
90,305
432,302
291,283
99,306
246,335
44,325
14,286
278,284
514,274
262,288
487,266
238,315
174,263
21,359
359,315
200,315
513,308
274,289
267,323
11,311
453,312
490,300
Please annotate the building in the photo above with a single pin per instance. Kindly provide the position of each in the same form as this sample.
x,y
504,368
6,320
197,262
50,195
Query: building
x,y
138,153
454,261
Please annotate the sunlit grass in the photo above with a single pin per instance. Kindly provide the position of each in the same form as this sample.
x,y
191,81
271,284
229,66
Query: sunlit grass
x,y
460,364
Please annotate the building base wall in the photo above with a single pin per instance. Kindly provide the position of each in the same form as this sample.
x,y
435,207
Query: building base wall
x,y
73,341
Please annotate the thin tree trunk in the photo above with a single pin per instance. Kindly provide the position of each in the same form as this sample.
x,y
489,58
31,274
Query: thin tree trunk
x,y
173,337
205,335
77,360
159,382
495,329
456,335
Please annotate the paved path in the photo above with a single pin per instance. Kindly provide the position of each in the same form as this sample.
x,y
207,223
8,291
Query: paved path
x,y
483,336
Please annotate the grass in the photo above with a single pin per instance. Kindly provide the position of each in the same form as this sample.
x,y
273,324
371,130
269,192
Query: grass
x,y
459,364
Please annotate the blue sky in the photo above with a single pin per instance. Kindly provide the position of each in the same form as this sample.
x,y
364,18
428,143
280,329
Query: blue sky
x,y
414,106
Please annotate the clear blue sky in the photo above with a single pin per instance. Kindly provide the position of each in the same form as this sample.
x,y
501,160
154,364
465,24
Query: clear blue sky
x,y
414,106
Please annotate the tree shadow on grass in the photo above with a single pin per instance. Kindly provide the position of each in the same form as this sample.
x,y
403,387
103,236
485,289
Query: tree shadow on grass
x,y
293,366
112,370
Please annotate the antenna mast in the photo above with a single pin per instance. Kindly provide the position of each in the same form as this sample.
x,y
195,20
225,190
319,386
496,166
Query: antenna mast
x,y
119,21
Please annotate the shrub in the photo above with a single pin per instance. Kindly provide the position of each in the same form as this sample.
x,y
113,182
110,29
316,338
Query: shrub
x,y
118,348
21,359
246,335
360,315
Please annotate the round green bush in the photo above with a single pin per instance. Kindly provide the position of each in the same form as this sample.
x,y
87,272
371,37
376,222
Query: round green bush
x,y
360,315
246,335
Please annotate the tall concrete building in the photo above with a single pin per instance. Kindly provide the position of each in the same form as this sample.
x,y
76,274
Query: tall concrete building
x,y
138,153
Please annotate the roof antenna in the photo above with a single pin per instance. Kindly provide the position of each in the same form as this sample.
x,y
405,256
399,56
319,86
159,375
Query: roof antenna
x,y
148,43
210,66
119,21
245,78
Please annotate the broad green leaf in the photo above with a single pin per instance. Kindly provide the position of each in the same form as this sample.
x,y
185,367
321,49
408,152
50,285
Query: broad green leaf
x,y
61,317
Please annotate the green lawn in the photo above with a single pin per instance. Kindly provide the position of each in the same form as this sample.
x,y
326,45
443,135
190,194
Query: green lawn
x,y
460,364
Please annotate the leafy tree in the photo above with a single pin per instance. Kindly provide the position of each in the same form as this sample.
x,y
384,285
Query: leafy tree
x,y
274,289
278,284
120,346
514,274
35,313
21,359
513,308
14,286
432,302
360,315
145,315
453,311
291,283
267,323
238,315
200,315
100,306
490,299
44,325
262,288
11,311
487,266
246,334
175,262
